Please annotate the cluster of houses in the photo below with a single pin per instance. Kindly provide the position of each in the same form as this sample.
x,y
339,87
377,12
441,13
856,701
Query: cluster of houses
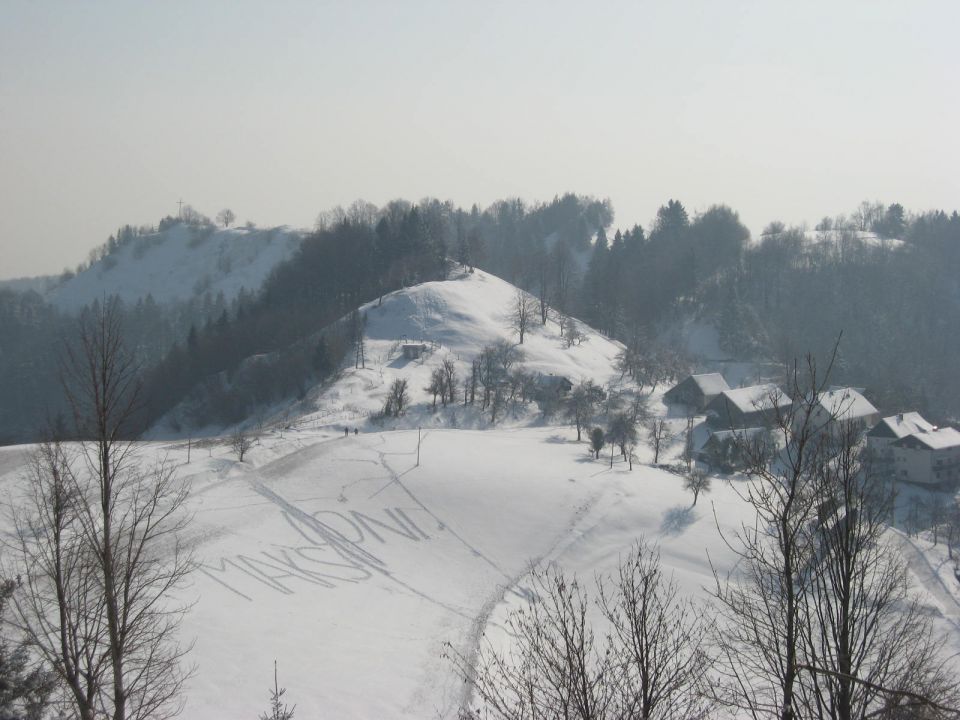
x,y
910,448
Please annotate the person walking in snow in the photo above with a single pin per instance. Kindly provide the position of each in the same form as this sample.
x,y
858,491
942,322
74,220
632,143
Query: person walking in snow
x,y
346,431
356,431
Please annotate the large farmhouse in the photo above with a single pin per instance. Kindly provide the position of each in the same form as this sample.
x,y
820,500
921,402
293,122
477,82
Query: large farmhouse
x,y
696,391
843,407
928,457
747,407
893,428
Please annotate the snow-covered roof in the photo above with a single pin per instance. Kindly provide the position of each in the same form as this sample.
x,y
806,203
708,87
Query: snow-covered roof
x,y
940,439
756,397
846,404
901,425
710,383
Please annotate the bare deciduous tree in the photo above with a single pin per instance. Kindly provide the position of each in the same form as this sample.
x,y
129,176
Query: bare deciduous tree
x,y
660,639
760,629
570,330
437,385
397,398
582,404
522,311
622,432
226,217
240,443
449,369
649,364
646,661
697,481
688,444
555,666
865,642
100,540
818,623
658,432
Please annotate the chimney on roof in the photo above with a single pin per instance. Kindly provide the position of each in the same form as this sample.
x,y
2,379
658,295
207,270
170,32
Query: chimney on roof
x,y
899,417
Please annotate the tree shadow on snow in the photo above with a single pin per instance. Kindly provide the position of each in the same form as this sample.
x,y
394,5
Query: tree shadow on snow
x,y
556,439
677,519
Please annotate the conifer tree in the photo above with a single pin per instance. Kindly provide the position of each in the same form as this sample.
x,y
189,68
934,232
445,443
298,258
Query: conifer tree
x,y
278,709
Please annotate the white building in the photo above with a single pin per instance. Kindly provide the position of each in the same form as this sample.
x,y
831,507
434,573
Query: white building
x,y
928,457
843,405
893,428
754,406
696,391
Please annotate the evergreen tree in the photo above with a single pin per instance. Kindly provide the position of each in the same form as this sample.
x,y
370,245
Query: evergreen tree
x,y
322,359
278,709
597,441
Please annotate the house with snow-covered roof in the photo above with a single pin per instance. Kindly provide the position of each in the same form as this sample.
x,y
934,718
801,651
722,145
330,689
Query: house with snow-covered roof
x,y
928,457
696,391
881,437
890,429
842,408
753,406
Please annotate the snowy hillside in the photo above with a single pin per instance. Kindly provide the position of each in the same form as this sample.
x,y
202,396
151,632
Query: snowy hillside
x,y
352,567
180,263
455,319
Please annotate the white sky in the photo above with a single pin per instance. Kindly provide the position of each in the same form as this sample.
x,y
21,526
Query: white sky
x,y
112,111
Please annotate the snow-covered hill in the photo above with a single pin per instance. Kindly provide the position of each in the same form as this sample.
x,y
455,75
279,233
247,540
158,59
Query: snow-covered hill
x,y
455,319
180,263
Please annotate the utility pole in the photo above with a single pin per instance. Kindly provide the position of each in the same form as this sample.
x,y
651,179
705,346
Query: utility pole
x,y
180,209
418,446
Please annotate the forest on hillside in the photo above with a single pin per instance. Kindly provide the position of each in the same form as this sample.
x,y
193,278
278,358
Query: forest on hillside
x,y
883,279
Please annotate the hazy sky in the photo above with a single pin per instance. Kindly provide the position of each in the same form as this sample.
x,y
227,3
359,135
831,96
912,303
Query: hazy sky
x,y
110,112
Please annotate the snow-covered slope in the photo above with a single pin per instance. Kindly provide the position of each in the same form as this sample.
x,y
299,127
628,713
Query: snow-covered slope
x,y
352,566
180,263
456,319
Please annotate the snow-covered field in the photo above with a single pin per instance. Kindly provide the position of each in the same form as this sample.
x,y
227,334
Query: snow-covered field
x,y
352,566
